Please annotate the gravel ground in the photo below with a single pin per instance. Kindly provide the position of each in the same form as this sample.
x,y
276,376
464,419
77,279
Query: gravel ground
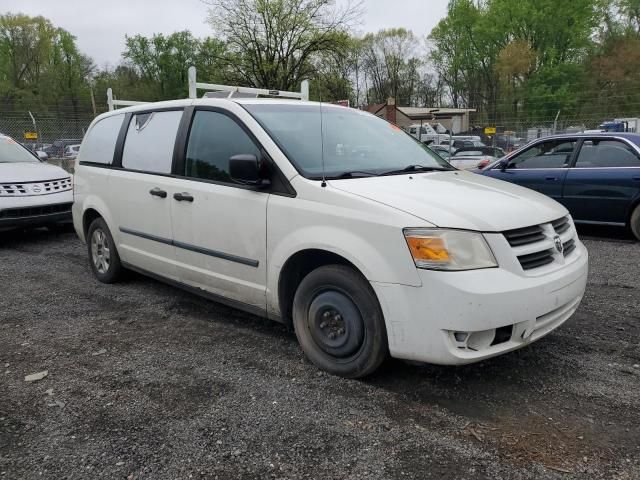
x,y
146,381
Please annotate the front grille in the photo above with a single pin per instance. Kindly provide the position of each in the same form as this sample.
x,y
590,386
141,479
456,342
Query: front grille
x,y
535,260
561,225
35,211
524,236
35,188
535,246
568,247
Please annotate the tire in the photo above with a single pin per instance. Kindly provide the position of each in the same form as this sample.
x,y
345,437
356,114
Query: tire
x,y
339,323
635,222
103,255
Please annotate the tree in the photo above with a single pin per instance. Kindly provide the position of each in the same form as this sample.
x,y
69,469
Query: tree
x,y
274,43
162,62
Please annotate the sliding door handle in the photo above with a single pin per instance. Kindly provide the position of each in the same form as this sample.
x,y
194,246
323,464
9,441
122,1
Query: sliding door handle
x,y
156,192
183,197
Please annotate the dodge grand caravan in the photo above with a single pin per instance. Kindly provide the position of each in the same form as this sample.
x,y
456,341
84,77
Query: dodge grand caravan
x,y
330,220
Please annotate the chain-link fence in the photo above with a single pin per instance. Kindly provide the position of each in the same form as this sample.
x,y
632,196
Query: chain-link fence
x,y
47,127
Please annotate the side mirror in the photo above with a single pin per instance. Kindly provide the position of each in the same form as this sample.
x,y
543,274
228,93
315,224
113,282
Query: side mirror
x,y
42,155
503,164
247,169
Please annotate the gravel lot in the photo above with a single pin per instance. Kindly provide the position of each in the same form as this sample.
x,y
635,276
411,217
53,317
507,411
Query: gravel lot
x,y
146,381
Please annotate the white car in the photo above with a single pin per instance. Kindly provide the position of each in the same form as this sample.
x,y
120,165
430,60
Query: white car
x,y
32,193
363,239
71,151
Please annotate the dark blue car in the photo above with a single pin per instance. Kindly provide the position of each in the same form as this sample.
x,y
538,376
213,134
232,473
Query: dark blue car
x,y
596,176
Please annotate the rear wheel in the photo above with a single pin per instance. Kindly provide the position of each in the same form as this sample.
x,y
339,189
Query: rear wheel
x,y
103,256
339,323
635,222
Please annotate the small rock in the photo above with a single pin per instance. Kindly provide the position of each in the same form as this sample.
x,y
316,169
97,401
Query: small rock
x,y
102,351
119,464
635,365
6,365
49,391
580,437
24,344
34,377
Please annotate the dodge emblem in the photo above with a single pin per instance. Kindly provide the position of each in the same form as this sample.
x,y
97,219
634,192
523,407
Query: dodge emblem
x,y
558,242
36,189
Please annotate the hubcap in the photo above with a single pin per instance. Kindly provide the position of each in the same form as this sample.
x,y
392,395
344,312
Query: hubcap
x,y
335,324
100,253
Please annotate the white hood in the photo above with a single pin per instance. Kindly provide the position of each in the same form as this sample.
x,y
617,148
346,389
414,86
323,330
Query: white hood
x,y
458,200
30,172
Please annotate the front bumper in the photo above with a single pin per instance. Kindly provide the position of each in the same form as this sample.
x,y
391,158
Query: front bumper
x,y
35,211
422,321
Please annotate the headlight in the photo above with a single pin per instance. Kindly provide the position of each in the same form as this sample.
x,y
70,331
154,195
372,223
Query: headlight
x,y
440,249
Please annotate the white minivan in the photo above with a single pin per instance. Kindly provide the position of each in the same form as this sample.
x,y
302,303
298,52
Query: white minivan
x,y
328,219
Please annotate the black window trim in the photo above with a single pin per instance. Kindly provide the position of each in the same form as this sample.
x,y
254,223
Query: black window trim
x,y
570,164
603,138
280,184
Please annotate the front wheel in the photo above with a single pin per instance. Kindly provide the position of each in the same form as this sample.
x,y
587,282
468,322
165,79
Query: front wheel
x,y
103,256
338,322
635,222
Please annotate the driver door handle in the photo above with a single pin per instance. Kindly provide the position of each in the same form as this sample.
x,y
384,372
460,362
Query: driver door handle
x,y
551,178
183,197
156,192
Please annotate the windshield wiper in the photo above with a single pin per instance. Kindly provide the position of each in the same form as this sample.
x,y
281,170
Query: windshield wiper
x,y
416,168
353,174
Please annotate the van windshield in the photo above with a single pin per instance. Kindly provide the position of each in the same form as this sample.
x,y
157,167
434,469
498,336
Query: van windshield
x,y
353,143
12,152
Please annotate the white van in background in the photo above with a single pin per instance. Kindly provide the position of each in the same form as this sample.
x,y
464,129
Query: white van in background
x,y
328,219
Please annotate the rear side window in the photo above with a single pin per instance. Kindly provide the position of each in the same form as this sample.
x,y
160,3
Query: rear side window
x,y
213,140
606,153
150,141
100,142
551,154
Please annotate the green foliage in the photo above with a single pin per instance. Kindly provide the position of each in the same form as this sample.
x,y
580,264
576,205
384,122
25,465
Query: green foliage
x,y
161,63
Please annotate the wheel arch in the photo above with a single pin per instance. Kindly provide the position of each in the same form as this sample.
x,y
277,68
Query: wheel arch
x,y
298,266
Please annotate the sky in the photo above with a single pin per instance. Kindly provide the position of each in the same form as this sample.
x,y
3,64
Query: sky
x,y
100,26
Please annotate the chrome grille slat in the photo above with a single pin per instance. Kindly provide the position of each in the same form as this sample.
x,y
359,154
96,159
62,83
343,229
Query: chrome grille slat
x,y
29,188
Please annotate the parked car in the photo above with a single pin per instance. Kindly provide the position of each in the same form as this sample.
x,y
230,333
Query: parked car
x,y
32,194
467,158
595,176
71,151
508,143
363,239
457,144
442,150
57,148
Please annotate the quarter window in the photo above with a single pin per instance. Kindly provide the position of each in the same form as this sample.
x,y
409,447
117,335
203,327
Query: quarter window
x,y
100,143
551,154
150,141
606,153
213,140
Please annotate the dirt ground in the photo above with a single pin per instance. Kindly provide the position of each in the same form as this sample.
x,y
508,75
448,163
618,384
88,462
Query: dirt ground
x,y
146,381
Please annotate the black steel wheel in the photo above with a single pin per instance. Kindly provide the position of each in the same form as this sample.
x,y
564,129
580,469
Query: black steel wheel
x,y
338,322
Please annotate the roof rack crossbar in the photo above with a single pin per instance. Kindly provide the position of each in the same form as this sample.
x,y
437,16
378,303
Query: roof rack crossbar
x,y
194,85
113,103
